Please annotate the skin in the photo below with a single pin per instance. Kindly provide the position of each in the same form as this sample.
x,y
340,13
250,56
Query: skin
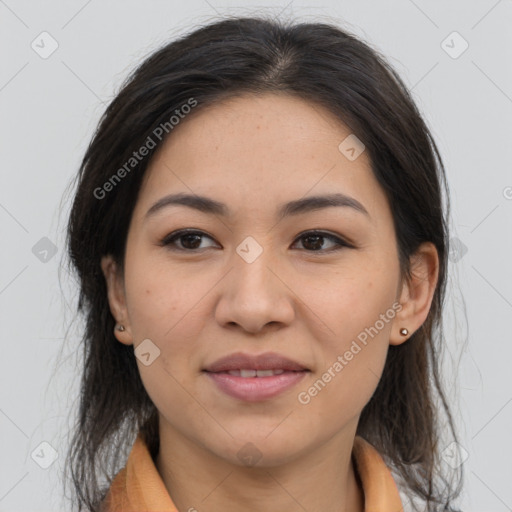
x,y
254,153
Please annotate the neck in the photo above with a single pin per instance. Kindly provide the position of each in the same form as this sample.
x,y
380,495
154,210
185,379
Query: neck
x,y
324,479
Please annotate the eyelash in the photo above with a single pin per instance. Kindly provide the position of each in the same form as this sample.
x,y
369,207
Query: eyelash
x,y
169,240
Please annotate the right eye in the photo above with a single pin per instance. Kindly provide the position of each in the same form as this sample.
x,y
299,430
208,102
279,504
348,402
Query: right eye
x,y
190,240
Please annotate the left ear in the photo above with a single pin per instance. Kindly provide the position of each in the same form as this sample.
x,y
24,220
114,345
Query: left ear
x,y
417,292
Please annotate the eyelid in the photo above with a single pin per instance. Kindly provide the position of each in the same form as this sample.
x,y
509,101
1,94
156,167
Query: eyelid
x,y
340,241
345,241
168,239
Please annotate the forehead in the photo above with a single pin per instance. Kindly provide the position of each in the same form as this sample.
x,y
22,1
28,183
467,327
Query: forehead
x,y
260,150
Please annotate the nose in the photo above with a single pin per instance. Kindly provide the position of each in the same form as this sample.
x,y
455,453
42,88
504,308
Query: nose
x,y
255,295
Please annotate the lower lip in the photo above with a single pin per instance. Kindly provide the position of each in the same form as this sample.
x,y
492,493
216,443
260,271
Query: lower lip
x,y
254,389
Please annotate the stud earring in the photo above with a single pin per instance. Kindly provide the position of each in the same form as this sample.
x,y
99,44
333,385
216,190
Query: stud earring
x,y
404,331
120,327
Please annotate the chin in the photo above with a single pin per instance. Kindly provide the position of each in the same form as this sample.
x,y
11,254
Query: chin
x,y
261,447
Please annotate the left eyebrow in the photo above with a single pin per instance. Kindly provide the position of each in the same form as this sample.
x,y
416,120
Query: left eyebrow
x,y
211,206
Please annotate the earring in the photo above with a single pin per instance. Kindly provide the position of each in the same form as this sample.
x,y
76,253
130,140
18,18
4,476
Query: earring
x,y
120,327
404,331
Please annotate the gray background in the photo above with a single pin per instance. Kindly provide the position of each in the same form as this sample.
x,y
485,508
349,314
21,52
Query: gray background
x,y
50,107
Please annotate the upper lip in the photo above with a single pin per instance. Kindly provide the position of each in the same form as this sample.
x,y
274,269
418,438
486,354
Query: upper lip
x,y
266,361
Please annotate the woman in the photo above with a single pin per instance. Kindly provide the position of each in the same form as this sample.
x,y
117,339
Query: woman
x,y
261,243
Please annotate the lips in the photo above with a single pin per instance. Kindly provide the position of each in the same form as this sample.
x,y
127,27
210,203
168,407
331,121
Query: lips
x,y
261,363
255,378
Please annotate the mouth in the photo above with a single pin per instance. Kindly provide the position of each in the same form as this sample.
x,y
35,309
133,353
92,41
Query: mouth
x,y
255,378
245,363
248,386
247,374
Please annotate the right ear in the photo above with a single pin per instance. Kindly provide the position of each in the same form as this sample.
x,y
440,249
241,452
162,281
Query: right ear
x,y
117,298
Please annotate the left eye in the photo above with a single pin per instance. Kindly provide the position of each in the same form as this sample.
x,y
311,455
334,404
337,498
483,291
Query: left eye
x,y
191,241
316,239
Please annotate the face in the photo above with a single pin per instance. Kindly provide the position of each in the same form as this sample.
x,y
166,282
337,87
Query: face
x,y
248,280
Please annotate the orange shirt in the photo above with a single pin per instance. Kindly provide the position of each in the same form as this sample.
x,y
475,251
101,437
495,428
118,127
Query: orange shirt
x,y
138,487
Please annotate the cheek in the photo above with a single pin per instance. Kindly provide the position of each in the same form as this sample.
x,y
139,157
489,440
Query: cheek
x,y
351,302
163,303
352,365
165,308
359,314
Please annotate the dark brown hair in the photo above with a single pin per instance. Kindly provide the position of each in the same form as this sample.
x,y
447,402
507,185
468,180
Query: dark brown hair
x,y
319,63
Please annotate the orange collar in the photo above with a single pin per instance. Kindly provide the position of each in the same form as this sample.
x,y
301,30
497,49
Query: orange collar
x,y
139,487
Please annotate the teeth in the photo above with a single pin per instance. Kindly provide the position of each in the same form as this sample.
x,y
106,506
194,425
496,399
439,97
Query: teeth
x,y
255,373
265,373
